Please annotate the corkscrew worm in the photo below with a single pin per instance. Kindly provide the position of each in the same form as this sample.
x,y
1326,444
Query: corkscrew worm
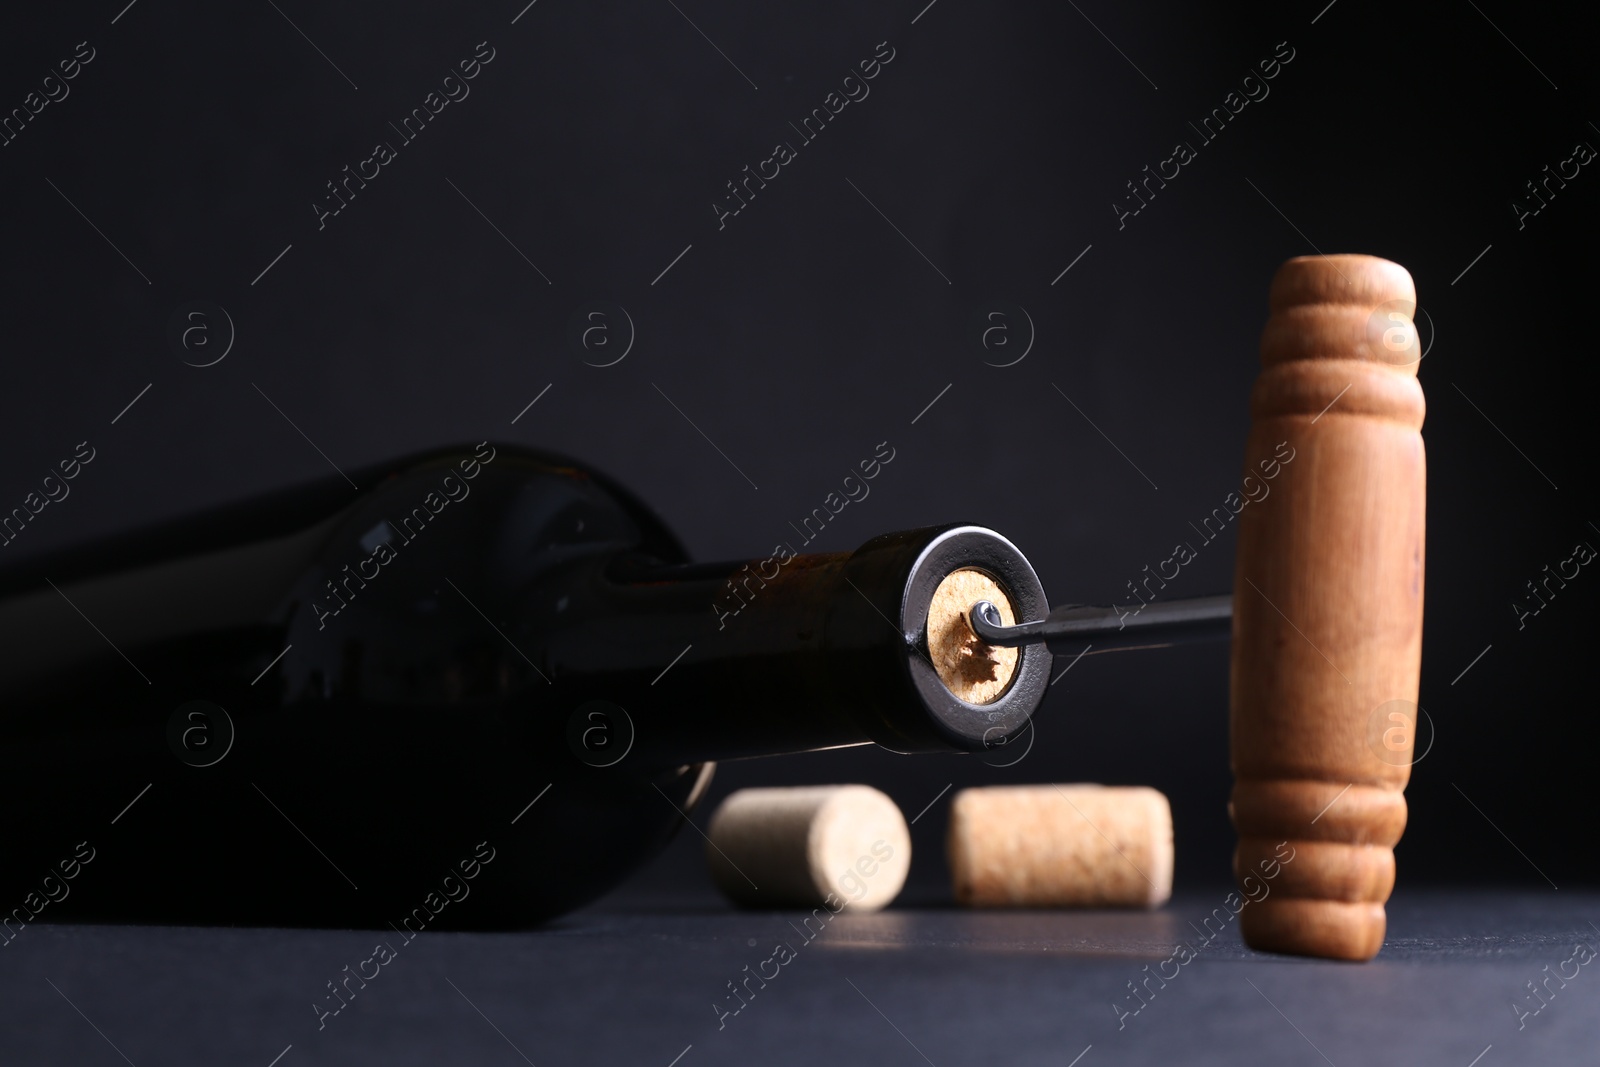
x,y
1068,628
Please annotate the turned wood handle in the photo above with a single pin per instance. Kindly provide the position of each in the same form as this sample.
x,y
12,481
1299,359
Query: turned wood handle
x,y
1327,607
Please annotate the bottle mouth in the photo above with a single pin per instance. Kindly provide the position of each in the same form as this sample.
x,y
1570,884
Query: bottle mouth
x,y
980,696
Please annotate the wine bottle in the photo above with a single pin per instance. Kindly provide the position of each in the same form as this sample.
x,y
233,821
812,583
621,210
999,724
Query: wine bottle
x,y
477,691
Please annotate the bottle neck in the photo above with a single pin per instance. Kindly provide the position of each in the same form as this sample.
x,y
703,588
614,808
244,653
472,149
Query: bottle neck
x,y
788,654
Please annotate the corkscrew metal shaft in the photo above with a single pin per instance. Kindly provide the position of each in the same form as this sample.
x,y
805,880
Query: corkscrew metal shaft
x,y
1074,628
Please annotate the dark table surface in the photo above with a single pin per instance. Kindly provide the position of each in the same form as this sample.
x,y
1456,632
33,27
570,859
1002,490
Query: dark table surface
x,y
634,980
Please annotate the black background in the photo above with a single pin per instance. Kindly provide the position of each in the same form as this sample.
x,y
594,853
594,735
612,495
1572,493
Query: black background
x,y
808,329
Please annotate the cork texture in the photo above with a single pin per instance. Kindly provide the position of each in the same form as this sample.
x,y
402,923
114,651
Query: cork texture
x,y
843,846
1042,846
973,670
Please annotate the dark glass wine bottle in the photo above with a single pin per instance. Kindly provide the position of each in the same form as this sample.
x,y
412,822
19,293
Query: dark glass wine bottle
x,y
476,692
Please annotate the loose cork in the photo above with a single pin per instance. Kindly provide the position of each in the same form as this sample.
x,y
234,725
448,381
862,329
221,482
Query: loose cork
x,y
809,846
1061,846
973,670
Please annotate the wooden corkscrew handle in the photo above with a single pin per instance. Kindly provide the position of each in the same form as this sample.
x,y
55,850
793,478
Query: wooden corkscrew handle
x,y
1327,608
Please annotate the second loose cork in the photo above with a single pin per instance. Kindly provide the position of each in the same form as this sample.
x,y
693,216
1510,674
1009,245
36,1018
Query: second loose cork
x,y
1047,846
